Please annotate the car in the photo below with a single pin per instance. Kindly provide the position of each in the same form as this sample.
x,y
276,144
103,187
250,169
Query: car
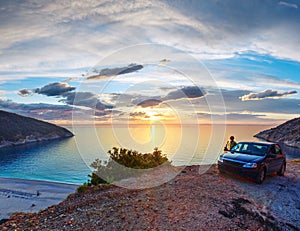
x,y
254,160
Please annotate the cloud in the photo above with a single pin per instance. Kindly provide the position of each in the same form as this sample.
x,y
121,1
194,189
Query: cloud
x,y
31,29
163,62
25,92
185,92
51,89
290,5
40,111
55,89
234,104
189,92
85,99
138,115
149,103
109,72
69,96
266,94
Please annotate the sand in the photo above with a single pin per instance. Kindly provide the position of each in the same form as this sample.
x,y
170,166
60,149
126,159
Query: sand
x,y
18,195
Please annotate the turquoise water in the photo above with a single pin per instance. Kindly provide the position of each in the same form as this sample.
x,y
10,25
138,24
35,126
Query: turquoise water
x,y
68,160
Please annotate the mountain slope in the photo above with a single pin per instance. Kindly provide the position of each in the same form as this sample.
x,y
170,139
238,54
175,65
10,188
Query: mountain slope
x,y
287,133
16,129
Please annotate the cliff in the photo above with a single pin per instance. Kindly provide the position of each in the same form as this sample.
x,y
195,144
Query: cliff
x,y
287,133
17,130
191,201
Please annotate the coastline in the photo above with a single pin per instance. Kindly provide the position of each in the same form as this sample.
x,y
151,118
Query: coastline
x,y
190,200
8,144
22,195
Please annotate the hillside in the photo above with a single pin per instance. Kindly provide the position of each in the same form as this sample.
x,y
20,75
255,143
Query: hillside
x,y
191,201
287,133
17,130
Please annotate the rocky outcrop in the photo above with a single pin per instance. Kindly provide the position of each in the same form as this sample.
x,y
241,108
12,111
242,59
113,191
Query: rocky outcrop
x,y
191,201
287,133
18,130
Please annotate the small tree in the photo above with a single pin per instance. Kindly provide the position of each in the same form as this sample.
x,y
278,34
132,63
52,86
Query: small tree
x,y
124,163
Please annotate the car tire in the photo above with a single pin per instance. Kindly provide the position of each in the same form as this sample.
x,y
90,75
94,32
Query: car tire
x,y
261,176
282,170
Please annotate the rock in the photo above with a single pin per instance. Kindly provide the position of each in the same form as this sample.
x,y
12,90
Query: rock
x,y
287,133
19,130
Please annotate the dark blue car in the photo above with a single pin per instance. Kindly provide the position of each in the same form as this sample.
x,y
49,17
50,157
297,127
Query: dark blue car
x,y
254,160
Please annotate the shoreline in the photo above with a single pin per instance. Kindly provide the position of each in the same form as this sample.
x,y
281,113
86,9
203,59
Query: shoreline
x,y
191,199
37,181
10,144
22,195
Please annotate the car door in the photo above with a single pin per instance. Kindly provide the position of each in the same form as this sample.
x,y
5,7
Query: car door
x,y
271,160
279,158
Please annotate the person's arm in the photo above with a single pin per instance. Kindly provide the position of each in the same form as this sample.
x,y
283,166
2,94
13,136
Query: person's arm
x,y
226,146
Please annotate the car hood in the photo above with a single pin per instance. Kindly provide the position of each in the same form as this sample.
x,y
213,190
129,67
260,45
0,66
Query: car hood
x,y
242,157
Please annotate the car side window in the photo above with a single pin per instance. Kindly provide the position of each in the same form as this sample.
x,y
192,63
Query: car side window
x,y
277,150
245,147
272,150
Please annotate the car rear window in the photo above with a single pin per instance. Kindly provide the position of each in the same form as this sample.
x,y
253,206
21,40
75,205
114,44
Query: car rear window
x,y
251,148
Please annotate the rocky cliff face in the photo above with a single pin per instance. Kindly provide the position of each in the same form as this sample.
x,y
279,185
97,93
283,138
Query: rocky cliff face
x,y
17,130
287,133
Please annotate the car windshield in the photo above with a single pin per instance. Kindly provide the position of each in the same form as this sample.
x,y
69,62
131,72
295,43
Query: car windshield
x,y
251,149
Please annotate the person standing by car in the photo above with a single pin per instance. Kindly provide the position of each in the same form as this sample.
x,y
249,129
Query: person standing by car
x,y
230,144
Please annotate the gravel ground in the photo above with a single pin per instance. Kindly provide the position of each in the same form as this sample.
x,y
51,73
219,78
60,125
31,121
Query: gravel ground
x,y
191,201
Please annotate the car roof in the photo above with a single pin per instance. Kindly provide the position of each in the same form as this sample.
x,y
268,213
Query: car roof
x,y
258,142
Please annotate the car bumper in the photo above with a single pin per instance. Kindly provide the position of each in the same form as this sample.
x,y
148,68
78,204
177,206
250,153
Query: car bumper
x,y
238,170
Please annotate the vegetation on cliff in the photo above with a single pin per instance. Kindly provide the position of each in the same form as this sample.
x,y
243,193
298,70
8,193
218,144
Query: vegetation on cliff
x,y
17,129
124,163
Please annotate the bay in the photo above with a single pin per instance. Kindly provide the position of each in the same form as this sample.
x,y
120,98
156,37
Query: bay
x,y
69,160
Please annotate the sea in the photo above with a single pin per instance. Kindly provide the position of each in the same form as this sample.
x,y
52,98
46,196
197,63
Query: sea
x,y
68,160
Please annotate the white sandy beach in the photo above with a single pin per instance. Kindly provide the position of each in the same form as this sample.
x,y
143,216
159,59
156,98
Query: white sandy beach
x,y
18,195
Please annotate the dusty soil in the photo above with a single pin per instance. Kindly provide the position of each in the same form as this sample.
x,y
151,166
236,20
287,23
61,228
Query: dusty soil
x,y
191,201
279,194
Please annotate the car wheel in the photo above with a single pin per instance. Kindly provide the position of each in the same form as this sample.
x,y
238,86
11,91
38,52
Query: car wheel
x,y
281,171
261,176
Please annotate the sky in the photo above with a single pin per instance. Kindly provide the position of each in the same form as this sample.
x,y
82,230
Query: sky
x,y
214,61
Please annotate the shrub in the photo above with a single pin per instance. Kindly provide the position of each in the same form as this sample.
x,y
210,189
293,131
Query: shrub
x,y
124,163
82,188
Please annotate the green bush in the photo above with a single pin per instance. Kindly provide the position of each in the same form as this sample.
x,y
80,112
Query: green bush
x,y
124,163
82,188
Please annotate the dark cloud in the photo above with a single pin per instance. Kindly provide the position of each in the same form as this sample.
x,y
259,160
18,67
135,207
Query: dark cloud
x,y
51,89
69,97
185,92
55,89
266,94
189,92
25,92
164,62
109,72
86,99
138,115
149,103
